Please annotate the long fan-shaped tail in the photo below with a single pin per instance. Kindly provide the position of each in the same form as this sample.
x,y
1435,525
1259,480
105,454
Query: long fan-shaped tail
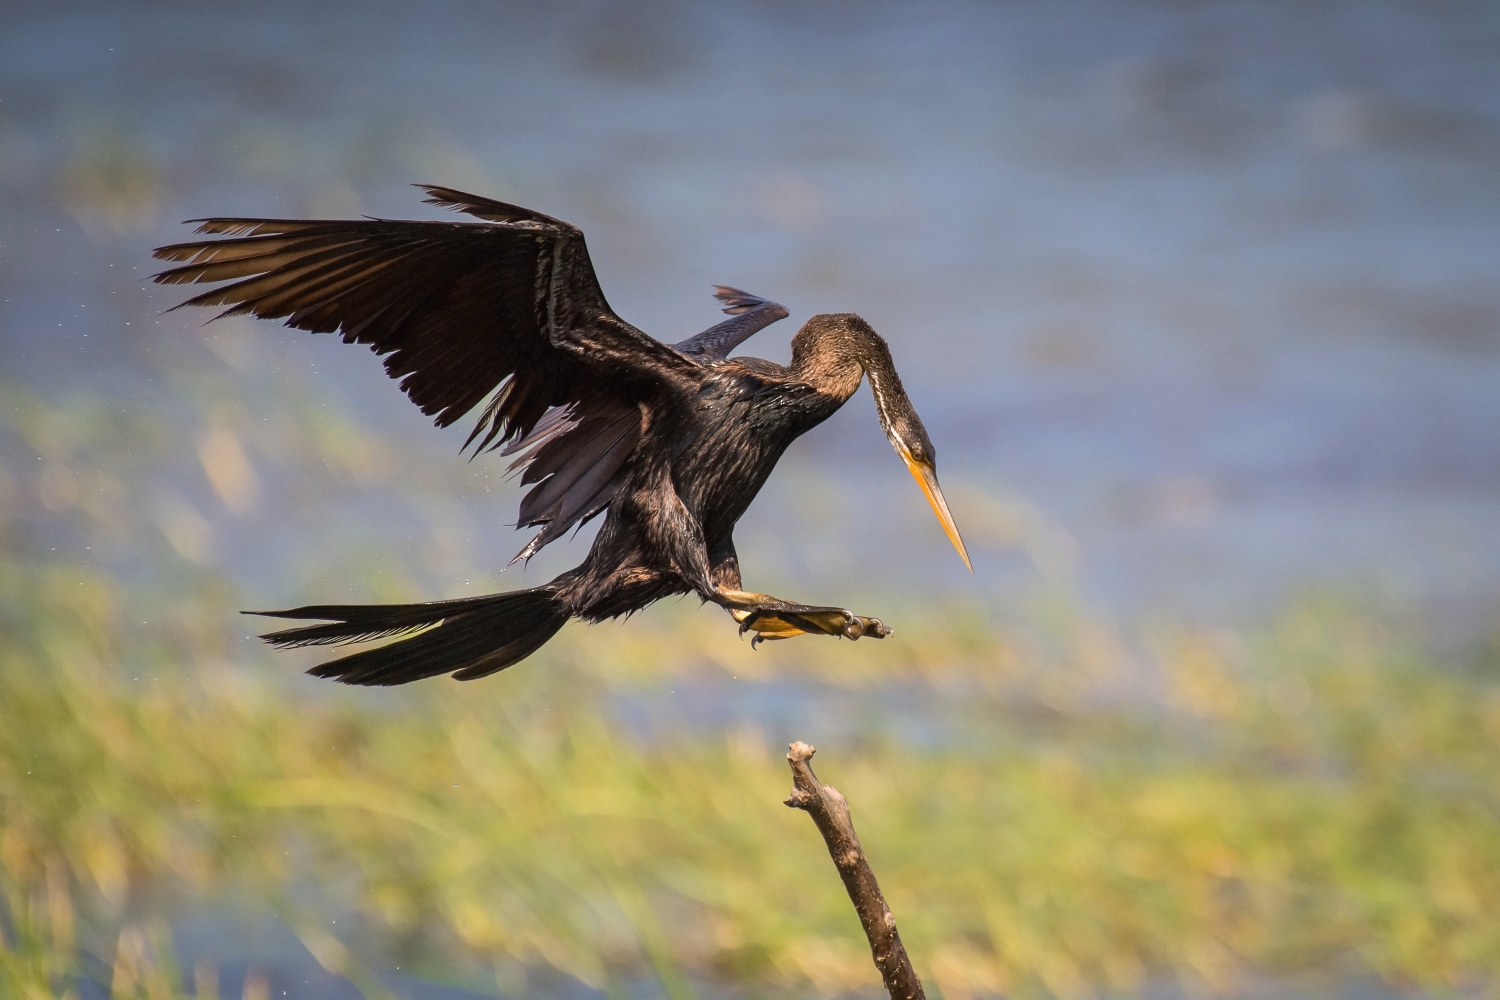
x,y
469,637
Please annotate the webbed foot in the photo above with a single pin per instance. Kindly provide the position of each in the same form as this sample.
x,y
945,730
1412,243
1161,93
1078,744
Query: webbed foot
x,y
780,620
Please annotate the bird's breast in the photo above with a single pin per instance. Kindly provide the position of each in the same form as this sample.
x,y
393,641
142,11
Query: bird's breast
x,y
739,432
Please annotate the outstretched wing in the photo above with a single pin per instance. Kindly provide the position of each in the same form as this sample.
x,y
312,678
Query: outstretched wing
x,y
749,314
508,309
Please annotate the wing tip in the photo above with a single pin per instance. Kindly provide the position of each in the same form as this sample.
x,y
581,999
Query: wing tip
x,y
489,209
737,301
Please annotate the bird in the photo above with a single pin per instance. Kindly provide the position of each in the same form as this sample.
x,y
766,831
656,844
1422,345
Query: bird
x,y
670,443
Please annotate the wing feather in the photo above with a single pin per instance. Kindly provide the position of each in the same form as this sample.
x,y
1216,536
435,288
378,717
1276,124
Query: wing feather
x,y
458,309
507,309
749,314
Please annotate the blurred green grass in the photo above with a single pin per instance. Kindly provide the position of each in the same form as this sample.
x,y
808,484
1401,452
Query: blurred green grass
x,y
1063,846
1086,812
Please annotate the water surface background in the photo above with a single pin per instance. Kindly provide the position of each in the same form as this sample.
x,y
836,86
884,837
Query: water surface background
x,y
1210,288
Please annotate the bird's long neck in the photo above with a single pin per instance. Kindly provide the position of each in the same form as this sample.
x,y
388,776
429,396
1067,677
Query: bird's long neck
x,y
828,365
833,353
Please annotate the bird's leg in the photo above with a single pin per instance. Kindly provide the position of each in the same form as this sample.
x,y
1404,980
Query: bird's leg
x,y
772,618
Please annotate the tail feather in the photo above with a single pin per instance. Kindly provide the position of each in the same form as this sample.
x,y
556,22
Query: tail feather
x,y
364,622
469,637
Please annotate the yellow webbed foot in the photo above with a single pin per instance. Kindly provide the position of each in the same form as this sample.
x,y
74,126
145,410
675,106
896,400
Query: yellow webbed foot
x,y
786,623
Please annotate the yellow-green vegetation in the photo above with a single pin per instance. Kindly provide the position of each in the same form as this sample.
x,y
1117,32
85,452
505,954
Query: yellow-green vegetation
x,y
1311,800
1059,809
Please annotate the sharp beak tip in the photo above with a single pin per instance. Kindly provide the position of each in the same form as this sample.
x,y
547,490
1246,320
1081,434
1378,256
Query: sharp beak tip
x,y
963,552
926,476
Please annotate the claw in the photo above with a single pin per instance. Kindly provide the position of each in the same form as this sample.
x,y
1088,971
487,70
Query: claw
x,y
760,637
747,622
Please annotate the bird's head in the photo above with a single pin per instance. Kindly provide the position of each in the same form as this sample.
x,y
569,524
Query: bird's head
x,y
830,342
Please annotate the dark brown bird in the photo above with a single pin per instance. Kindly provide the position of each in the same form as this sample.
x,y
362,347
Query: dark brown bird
x,y
673,442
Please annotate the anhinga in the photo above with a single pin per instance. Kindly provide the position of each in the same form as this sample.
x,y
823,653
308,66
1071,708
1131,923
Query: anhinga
x,y
673,441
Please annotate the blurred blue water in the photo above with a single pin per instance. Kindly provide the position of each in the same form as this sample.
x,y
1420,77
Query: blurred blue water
x,y
1206,291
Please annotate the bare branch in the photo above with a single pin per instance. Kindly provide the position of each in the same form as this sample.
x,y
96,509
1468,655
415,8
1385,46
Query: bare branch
x,y
830,811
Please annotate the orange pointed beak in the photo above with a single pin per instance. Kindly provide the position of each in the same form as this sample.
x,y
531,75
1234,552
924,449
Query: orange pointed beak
x,y
926,476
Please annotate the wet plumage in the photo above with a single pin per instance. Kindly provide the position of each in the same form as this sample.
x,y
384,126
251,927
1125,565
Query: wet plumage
x,y
670,443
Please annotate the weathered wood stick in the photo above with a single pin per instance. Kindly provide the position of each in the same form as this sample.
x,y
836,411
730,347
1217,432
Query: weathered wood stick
x,y
830,811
